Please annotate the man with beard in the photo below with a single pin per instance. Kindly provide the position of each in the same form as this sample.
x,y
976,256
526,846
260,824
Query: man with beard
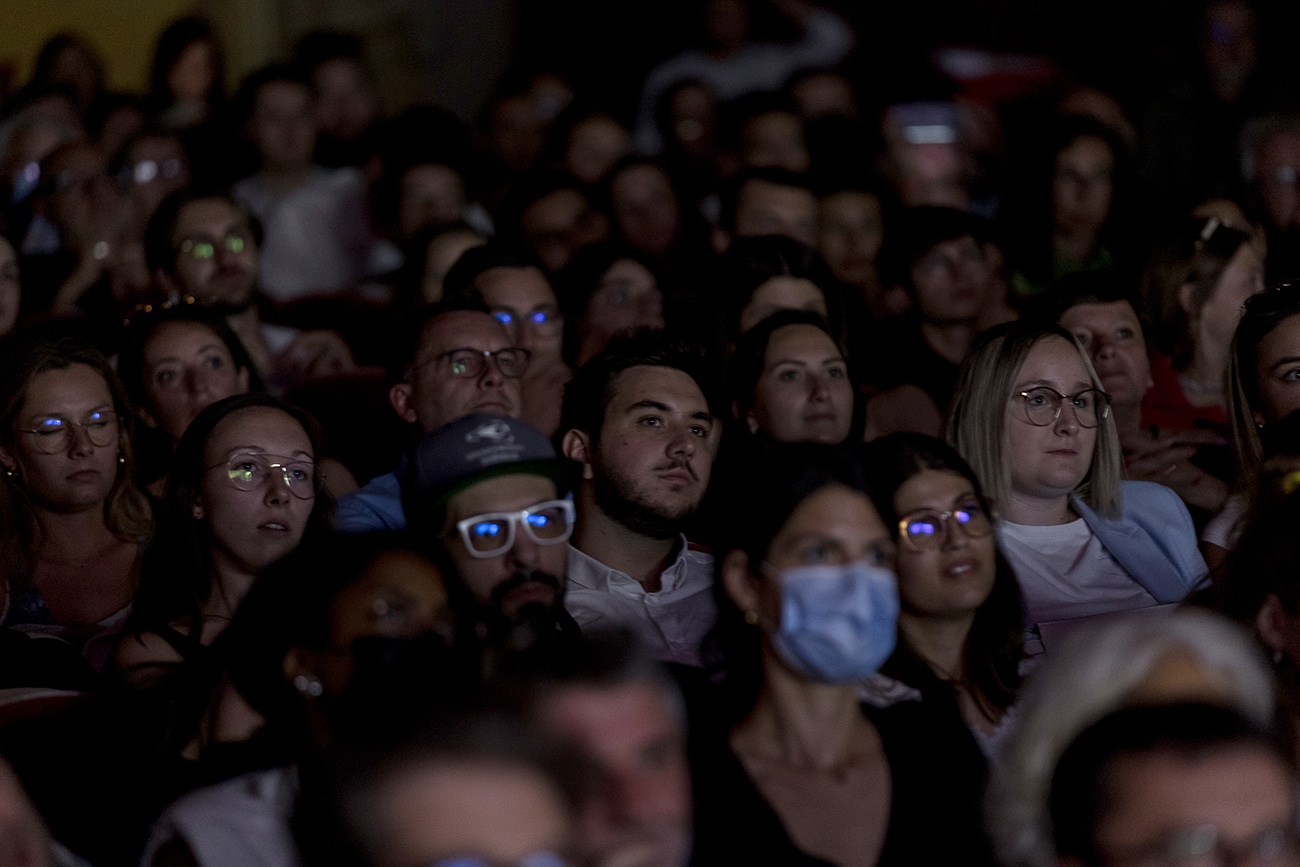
x,y
205,245
491,490
637,420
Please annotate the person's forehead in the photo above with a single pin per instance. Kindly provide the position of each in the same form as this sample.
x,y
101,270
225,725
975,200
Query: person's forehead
x,y
509,492
761,193
456,329
1093,312
948,245
208,215
515,286
654,383
607,715
282,93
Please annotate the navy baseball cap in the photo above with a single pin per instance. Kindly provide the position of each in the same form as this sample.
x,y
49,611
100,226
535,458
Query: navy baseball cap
x,y
474,448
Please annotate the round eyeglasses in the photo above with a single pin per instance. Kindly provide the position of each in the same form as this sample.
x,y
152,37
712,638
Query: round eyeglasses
x,y
54,434
248,472
927,529
1043,405
492,533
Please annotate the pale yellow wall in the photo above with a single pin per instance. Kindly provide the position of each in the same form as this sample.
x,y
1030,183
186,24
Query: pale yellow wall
x,y
124,31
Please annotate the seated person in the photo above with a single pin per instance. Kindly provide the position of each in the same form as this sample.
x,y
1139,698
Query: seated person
x,y
638,421
1032,419
456,360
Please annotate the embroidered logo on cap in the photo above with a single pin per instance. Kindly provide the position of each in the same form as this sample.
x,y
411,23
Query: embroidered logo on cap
x,y
492,432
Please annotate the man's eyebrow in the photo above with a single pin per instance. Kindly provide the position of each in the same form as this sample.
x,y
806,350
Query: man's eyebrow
x,y
650,403
703,415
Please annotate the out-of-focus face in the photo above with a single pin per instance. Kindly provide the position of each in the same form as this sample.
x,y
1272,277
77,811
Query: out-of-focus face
x,y
1218,317
825,94
1112,335
951,282
1050,461
638,743
436,395
254,528
80,475
471,811
594,145
81,194
947,574
1278,372
765,208
283,125
775,140
429,195
1277,177
782,293
556,225
345,103
527,573
653,458
158,166
216,256
626,298
190,77
524,302
693,109
1156,799
442,253
187,367
804,393
850,231
1081,185
11,292
644,208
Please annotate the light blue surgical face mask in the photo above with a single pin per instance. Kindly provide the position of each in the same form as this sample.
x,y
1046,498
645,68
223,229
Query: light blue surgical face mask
x,y
838,623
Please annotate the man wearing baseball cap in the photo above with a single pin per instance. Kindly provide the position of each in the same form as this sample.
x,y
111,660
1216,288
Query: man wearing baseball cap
x,y
491,491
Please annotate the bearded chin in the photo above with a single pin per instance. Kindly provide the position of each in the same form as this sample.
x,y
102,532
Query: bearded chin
x,y
644,519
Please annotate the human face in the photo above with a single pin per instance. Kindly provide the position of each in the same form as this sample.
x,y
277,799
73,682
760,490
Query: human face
x,y
556,225
190,77
782,293
252,529
775,139
626,298
951,281
1277,175
1051,461
765,208
652,461
596,144
1243,277
804,394
186,368
645,209
158,167
1277,371
434,397
429,195
833,526
283,125
850,231
1081,186
522,299
955,577
345,104
81,477
1241,792
82,193
440,256
525,574
227,277
456,809
632,733
1113,336
10,288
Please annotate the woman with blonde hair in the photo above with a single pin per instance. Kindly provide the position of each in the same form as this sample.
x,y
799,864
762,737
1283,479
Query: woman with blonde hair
x,y
1031,418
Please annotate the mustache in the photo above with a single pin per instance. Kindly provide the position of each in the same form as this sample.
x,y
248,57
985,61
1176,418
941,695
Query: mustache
x,y
519,579
678,465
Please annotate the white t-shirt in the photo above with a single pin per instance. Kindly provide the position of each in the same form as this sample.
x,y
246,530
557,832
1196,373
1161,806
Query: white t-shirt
x,y
1065,572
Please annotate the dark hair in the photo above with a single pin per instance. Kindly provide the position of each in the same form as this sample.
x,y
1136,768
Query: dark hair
x,y
25,356
1263,313
177,576
729,194
474,263
756,510
579,281
526,192
994,646
735,114
1094,286
1083,791
406,344
421,135
751,262
159,248
750,357
172,42
589,392
141,329
915,232
250,88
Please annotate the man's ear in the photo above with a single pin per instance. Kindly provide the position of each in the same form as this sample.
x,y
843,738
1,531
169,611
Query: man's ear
x,y
7,459
402,399
576,446
1273,623
739,582
1187,300
751,422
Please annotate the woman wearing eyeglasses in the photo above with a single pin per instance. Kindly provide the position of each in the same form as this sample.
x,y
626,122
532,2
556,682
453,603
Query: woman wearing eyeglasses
x,y
245,490
960,625
72,521
1033,421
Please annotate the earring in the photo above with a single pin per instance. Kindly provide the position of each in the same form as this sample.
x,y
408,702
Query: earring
x,y
308,686
121,459
751,617
11,472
